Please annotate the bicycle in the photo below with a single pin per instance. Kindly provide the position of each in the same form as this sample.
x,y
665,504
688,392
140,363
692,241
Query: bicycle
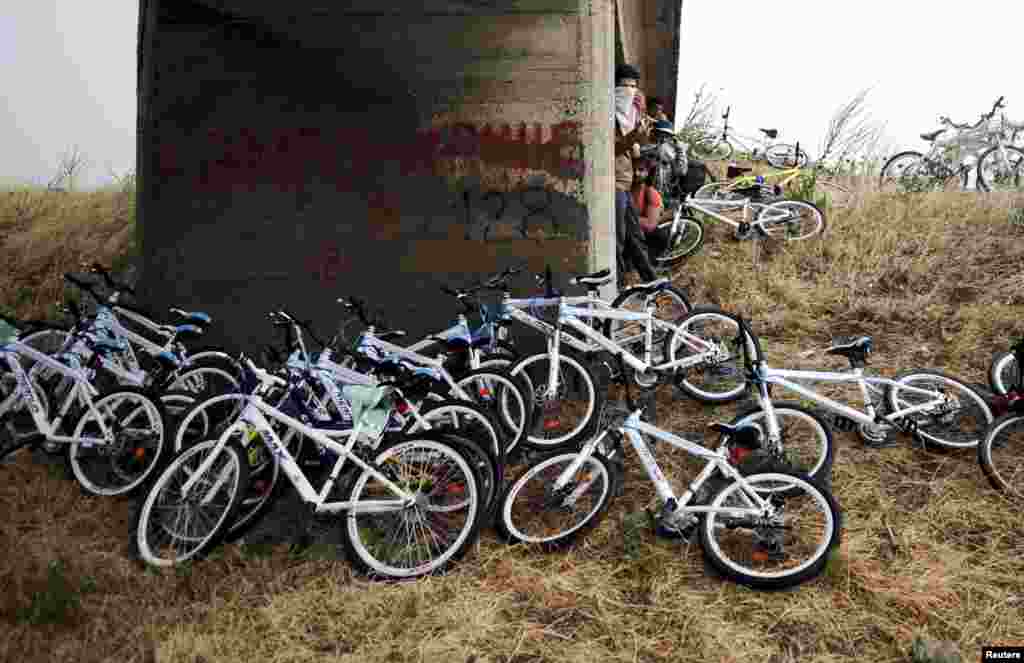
x,y
723,503
948,159
496,388
777,155
1000,453
738,184
897,411
94,426
419,494
708,352
790,220
324,393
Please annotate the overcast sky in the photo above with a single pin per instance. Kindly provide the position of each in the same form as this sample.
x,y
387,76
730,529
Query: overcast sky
x,y
68,70
68,73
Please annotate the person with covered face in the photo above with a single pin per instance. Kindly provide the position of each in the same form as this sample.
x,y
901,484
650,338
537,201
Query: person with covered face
x,y
631,130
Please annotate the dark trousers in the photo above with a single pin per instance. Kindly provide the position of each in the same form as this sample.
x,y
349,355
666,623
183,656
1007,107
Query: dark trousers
x,y
630,247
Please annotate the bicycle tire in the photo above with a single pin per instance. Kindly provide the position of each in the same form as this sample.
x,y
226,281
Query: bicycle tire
x,y
887,175
686,242
1005,363
821,470
967,390
595,398
136,484
791,576
983,183
358,552
686,386
511,532
999,478
140,547
820,225
495,459
513,432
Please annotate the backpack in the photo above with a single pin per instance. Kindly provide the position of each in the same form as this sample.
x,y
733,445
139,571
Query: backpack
x,y
696,176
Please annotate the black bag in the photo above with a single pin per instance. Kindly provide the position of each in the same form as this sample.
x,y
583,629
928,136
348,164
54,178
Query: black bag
x,y
696,177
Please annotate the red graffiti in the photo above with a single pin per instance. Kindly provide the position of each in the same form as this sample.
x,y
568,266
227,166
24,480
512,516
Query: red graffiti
x,y
287,159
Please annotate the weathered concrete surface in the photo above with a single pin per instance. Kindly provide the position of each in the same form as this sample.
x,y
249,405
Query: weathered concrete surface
x,y
291,154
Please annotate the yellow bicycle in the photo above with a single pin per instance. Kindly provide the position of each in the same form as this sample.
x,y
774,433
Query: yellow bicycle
x,y
740,183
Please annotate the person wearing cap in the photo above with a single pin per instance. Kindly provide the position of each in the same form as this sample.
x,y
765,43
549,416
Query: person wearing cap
x,y
631,129
648,203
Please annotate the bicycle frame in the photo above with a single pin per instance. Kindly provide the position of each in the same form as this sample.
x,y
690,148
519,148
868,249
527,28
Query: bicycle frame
x,y
257,415
705,206
82,392
632,429
765,375
569,315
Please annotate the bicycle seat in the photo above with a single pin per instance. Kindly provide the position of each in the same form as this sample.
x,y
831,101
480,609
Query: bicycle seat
x,y
735,171
745,434
597,278
932,136
771,133
851,348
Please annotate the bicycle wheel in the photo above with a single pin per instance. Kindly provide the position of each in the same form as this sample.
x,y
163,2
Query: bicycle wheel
x,y
501,396
806,443
465,420
186,536
577,399
206,381
17,427
783,155
785,550
671,304
140,441
998,174
264,482
49,341
894,169
685,242
1003,373
208,418
531,512
447,497
791,220
1001,454
938,425
713,335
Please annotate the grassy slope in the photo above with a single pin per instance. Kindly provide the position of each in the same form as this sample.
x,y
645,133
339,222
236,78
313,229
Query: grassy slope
x,y
929,548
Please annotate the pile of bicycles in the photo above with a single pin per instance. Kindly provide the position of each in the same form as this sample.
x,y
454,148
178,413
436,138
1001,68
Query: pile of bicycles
x,y
988,146
414,446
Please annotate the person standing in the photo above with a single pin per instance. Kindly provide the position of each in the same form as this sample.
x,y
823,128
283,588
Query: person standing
x,y
631,129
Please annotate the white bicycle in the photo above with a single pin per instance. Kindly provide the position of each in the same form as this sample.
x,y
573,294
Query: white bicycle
x,y
412,508
751,532
114,439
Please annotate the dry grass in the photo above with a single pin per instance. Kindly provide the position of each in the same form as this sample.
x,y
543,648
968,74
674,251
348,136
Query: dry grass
x,y
929,548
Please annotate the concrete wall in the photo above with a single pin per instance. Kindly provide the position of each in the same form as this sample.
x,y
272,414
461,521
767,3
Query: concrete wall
x,y
291,153
292,159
